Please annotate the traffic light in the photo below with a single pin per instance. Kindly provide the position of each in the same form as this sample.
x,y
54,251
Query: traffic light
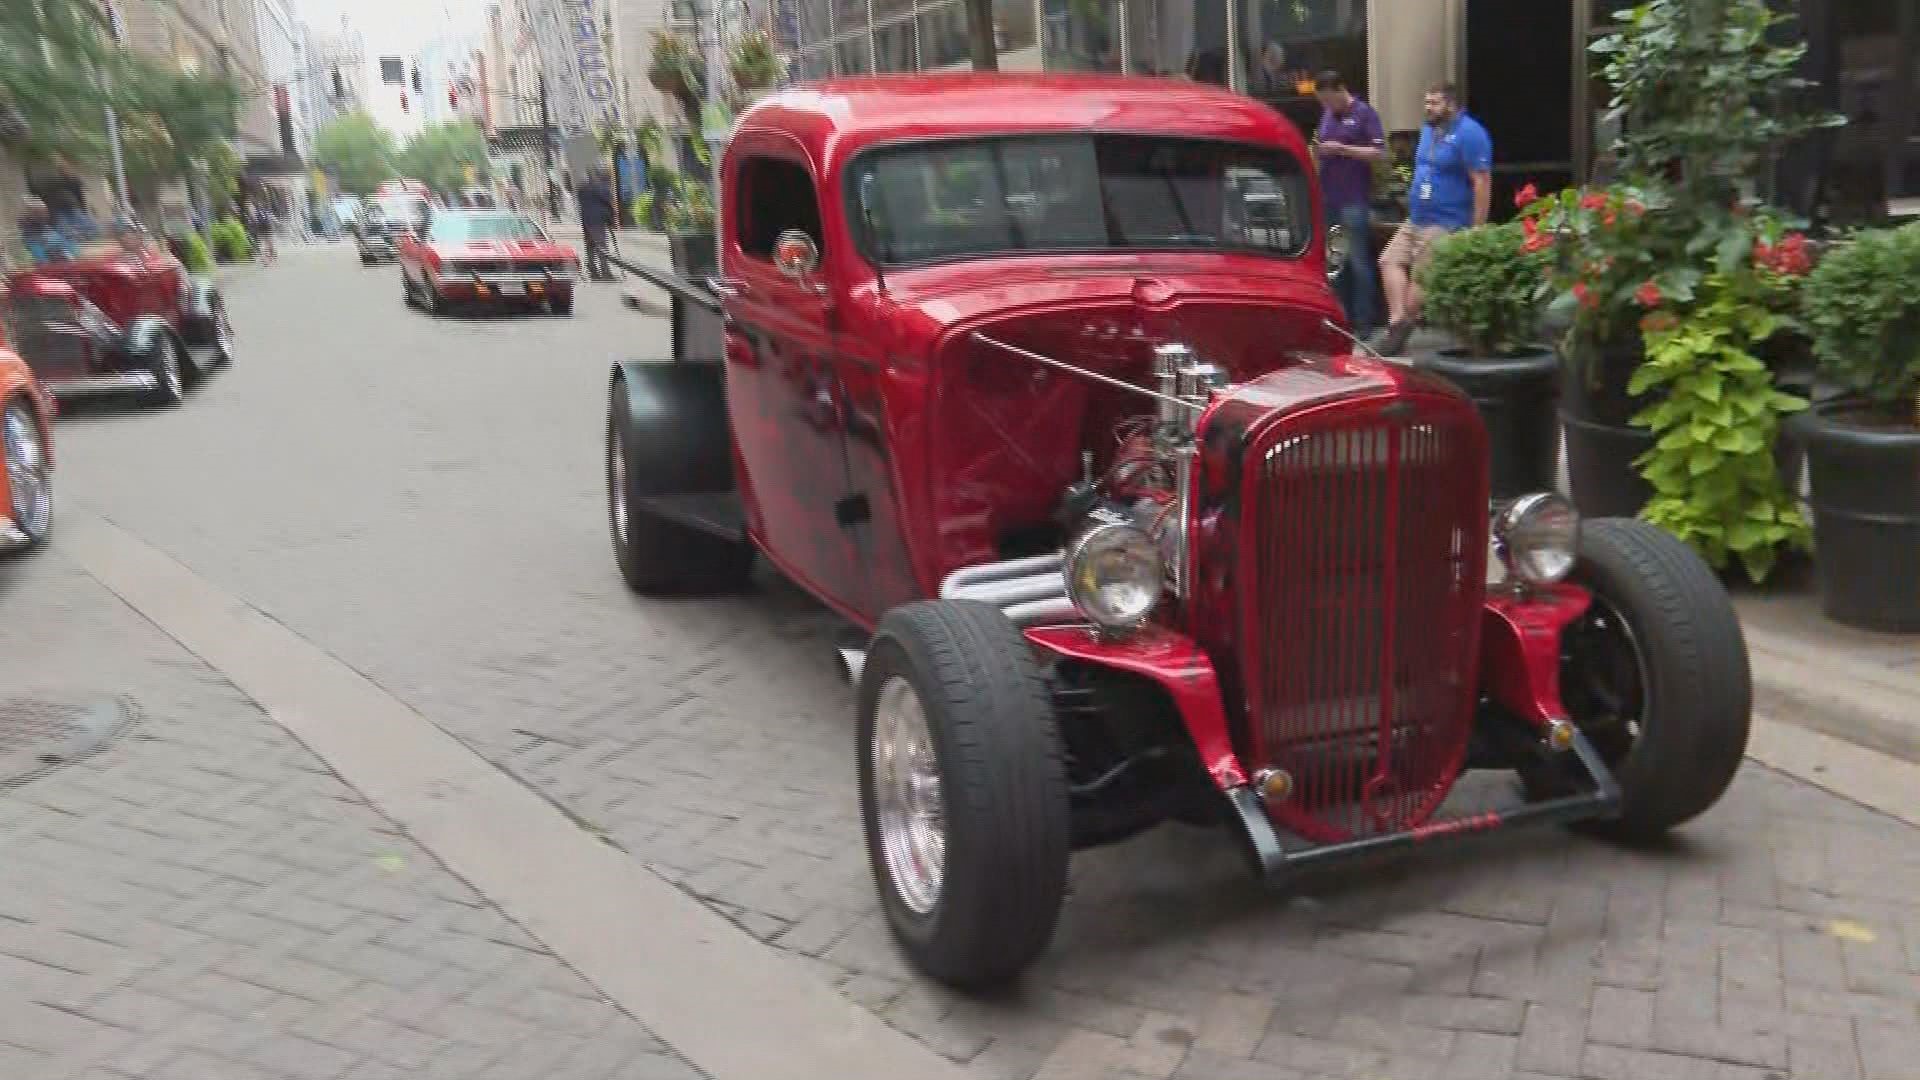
x,y
339,87
403,101
453,98
416,80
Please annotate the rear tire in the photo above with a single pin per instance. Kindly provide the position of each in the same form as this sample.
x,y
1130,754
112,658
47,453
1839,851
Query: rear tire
x,y
657,556
1656,675
561,305
978,906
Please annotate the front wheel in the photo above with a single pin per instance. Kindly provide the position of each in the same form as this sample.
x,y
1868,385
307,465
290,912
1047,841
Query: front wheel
x,y
962,791
169,378
1656,675
29,475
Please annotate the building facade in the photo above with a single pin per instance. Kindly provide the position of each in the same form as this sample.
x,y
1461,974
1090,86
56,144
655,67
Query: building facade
x,y
1523,65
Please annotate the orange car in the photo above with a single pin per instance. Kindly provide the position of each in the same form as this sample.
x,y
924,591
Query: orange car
x,y
26,442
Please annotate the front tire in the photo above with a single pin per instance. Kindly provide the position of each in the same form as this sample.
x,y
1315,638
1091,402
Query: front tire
x,y
962,791
1656,675
168,373
29,474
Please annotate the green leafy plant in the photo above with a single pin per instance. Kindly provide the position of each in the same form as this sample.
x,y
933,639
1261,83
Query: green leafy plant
x,y
676,69
755,65
691,209
230,241
1715,418
1862,311
1486,289
193,253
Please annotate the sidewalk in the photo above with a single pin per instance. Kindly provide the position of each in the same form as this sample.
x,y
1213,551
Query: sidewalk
x,y
202,899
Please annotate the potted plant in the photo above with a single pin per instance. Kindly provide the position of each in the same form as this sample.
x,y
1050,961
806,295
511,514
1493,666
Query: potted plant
x,y
1863,449
1486,287
754,64
1705,93
676,69
690,223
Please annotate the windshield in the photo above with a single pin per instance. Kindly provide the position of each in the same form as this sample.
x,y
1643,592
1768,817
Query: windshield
x,y
930,201
397,207
458,228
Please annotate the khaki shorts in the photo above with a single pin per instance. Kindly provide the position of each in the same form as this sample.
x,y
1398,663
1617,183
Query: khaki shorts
x,y
1411,246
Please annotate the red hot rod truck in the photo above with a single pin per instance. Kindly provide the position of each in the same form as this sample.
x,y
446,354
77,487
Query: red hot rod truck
x,y
1039,382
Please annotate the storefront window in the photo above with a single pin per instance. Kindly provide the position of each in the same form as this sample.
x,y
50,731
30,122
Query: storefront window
x,y
853,55
1875,168
1014,29
943,35
893,48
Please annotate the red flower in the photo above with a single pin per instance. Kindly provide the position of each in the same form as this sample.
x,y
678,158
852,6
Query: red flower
x,y
1585,295
1648,294
1635,207
1609,218
1526,196
1655,321
1593,201
1788,258
1537,241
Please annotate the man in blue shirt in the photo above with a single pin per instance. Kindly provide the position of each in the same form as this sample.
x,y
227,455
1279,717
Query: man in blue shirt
x,y
1452,187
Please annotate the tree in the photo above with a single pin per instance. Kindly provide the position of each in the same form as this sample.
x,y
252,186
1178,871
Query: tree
x,y
170,120
980,35
52,53
357,151
440,155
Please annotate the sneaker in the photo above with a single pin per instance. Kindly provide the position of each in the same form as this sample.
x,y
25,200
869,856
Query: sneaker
x,y
1394,341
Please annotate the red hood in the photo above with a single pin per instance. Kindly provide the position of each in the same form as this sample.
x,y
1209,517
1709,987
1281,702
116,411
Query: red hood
x,y
1250,314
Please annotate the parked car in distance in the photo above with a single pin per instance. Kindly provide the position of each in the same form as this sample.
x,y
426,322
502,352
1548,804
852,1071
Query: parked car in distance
x,y
386,219
26,445
1039,382
489,257
118,318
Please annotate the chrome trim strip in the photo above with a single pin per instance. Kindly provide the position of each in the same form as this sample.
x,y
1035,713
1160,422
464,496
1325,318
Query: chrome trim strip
x,y
104,384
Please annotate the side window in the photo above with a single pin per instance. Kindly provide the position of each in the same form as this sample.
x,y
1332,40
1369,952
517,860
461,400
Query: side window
x,y
775,195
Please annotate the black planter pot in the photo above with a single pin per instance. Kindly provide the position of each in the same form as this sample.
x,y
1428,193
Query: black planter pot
x,y
1601,445
1515,396
1866,518
693,254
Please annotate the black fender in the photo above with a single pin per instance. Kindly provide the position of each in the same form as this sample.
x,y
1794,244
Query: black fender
x,y
676,421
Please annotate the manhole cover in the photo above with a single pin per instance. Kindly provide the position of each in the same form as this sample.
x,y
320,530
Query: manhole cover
x,y
39,734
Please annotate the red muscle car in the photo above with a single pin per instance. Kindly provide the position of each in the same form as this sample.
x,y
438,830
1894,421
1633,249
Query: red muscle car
x,y
494,256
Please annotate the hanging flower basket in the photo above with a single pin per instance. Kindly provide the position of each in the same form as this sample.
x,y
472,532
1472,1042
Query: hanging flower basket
x,y
754,65
675,67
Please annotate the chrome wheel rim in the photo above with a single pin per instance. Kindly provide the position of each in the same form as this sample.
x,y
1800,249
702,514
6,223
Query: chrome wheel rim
x,y
912,812
617,482
222,332
27,483
170,367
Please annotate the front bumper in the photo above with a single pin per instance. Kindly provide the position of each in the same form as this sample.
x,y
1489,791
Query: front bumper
x,y
113,382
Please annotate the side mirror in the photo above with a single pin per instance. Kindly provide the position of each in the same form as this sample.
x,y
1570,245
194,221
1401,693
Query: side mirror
x,y
796,255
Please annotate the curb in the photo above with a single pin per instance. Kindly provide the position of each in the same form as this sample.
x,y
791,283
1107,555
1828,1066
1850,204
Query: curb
x,y
1820,689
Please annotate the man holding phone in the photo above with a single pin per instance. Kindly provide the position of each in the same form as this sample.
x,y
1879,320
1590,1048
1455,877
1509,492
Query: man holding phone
x,y
1347,143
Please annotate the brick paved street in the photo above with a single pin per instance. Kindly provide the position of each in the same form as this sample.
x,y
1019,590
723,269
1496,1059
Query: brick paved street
x,y
202,900
422,499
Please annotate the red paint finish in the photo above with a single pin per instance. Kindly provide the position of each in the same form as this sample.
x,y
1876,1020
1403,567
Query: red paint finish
x,y
1520,654
1173,661
873,391
1362,543
122,284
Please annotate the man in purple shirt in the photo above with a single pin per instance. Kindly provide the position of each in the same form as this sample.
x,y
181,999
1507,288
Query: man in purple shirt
x,y
1349,140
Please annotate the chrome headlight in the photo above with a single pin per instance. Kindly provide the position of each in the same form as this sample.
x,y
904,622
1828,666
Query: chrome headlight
x,y
1339,249
1538,537
1114,575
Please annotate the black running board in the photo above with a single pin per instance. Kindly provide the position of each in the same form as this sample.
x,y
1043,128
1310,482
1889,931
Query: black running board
x,y
1276,863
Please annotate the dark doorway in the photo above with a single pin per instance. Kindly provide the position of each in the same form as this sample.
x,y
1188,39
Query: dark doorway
x,y
1519,83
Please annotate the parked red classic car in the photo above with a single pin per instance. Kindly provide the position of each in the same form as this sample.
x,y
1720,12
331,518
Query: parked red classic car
x,y
486,256
26,444
118,318
1039,382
